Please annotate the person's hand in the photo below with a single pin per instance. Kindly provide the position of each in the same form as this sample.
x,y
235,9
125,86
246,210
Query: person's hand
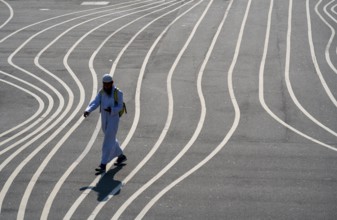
x,y
108,109
86,114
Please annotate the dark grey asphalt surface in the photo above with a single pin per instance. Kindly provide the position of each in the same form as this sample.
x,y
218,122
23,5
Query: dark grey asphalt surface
x,y
273,157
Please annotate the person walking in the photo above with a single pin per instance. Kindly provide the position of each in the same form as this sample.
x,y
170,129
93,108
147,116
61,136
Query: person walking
x,y
109,108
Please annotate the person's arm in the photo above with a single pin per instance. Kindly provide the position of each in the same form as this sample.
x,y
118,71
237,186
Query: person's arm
x,y
93,105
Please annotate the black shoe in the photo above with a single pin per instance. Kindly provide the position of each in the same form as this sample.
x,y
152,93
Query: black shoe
x,y
120,159
99,172
101,168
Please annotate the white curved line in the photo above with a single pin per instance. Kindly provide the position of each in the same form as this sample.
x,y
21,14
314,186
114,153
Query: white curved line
x,y
333,9
38,99
235,105
169,119
60,16
11,13
41,107
261,92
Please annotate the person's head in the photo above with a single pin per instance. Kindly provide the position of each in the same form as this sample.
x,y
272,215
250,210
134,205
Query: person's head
x,y
107,83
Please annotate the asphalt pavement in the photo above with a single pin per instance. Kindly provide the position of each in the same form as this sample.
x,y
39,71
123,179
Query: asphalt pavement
x,y
231,109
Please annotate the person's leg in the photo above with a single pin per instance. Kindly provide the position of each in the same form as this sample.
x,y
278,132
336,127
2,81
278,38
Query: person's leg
x,y
111,147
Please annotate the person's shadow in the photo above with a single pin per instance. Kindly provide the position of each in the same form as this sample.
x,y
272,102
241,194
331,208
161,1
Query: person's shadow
x,y
107,185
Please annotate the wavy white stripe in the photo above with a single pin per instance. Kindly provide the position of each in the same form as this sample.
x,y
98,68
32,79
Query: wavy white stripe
x,y
11,13
39,110
38,99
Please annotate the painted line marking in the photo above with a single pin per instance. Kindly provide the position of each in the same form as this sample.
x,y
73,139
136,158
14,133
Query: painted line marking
x,y
11,13
95,3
